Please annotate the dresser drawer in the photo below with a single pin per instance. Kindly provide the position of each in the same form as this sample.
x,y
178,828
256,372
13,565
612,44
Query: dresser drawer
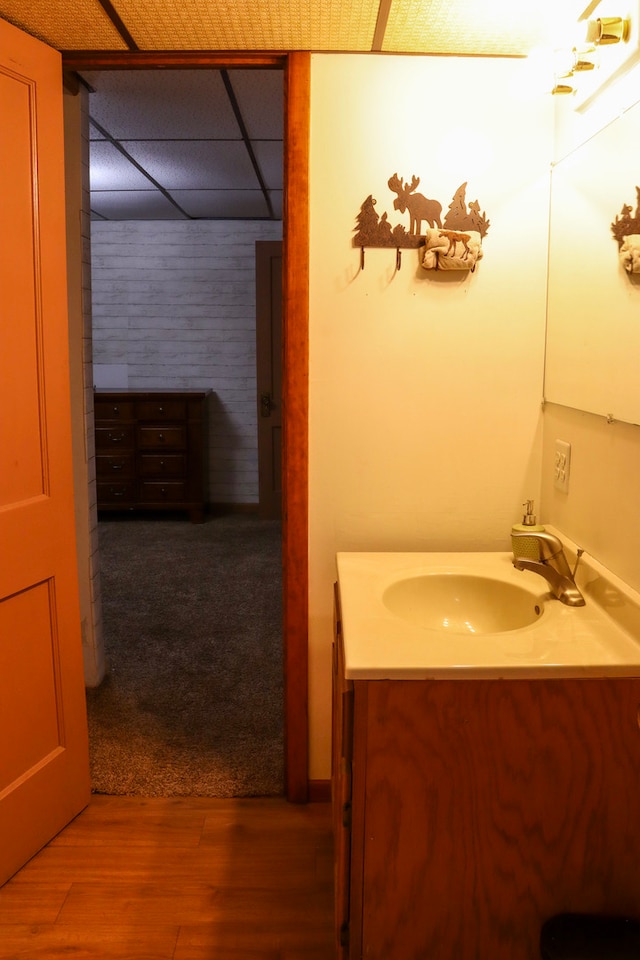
x,y
113,409
123,491
161,410
155,438
160,491
110,467
159,465
121,436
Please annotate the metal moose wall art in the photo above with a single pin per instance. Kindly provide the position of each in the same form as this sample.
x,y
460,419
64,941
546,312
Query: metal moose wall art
x,y
626,230
453,243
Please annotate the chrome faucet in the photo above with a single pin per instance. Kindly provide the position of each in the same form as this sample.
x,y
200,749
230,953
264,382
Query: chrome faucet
x,y
543,553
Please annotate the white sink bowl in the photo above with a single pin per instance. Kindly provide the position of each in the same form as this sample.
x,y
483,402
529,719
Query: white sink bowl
x,y
461,603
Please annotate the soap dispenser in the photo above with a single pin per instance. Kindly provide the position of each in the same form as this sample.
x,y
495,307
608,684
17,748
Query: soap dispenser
x,y
528,524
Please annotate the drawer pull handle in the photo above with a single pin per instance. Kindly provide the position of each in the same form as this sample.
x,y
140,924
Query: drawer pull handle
x,y
117,466
161,437
117,493
160,409
116,411
116,438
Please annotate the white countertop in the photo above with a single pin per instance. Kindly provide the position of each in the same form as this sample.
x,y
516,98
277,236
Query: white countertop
x,y
600,639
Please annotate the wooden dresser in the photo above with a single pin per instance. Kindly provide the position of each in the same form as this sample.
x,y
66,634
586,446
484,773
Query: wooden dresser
x,y
151,450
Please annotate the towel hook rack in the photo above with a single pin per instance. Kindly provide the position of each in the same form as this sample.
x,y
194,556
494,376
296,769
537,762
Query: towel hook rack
x,y
375,230
398,258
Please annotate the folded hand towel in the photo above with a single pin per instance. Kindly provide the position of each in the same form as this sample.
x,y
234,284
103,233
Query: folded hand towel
x,y
630,253
452,249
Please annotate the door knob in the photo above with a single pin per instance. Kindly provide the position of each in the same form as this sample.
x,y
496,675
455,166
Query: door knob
x,y
266,404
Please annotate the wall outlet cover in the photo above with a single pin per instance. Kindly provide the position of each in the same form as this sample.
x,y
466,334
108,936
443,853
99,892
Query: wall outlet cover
x,y
562,465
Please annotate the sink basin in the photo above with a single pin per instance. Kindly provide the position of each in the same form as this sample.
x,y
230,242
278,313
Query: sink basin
x,y
462,603
434,615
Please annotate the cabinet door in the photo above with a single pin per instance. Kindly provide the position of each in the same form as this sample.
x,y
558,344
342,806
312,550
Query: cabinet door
x,y
492,805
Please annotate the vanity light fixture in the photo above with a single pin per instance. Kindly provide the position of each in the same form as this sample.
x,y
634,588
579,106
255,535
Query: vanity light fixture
x,y
578,62
583,57
607,30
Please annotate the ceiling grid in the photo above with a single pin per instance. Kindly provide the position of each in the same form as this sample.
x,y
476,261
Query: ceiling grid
x,y
192,144
494,28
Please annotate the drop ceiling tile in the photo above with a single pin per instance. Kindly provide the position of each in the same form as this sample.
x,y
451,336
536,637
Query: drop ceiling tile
x,y
499,28
222,204
247,25
64,24
260,96
109,170
196,164
269,154
134,205
161,104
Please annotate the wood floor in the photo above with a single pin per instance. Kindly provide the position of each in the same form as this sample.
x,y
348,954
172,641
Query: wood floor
x,y
181,879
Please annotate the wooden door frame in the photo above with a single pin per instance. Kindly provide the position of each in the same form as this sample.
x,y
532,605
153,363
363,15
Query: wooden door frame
x,y
295,367
268,334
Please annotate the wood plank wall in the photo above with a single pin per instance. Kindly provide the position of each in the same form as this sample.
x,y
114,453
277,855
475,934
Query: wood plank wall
x,y
174,307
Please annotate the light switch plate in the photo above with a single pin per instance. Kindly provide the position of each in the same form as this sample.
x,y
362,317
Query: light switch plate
x,y
562,465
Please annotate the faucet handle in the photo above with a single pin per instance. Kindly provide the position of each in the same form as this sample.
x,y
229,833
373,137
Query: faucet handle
x,y
525,546
540,546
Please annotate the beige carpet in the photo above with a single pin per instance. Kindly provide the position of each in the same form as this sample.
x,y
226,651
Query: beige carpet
x,y
193,701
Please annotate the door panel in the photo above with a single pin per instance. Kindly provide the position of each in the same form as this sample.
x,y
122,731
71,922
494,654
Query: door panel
x,y
31,661
24,476
44,767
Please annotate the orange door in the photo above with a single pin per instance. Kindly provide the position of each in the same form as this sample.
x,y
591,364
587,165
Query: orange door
x,y
44,768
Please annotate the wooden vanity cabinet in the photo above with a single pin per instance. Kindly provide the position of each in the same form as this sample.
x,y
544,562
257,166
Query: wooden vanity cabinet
x,y
341,786
467,812
151,450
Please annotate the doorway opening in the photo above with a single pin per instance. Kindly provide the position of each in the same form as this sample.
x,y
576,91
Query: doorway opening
x,y
295,601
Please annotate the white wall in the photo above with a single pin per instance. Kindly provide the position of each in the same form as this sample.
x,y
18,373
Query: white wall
x,y
174,307
425,389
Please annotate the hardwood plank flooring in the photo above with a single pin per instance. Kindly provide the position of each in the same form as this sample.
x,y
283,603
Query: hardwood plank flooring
x,y
177,879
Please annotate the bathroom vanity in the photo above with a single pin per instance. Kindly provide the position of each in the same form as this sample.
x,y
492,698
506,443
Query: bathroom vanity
x,y
476,796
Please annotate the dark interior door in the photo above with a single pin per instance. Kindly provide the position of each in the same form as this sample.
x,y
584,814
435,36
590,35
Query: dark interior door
x,y
269,375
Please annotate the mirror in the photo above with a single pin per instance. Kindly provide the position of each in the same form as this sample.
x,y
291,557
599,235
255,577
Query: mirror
x,y
593,312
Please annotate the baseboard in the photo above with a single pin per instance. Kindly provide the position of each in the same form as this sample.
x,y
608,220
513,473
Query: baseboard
x,y
219,509
319,791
